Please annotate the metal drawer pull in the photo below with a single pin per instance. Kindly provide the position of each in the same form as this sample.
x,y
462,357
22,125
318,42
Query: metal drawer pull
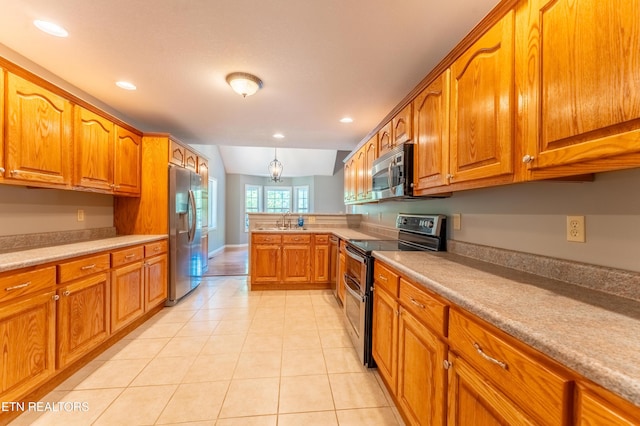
x,y
86,267
489,358
382,277
156,249
129,256
418,304
19,286
66,293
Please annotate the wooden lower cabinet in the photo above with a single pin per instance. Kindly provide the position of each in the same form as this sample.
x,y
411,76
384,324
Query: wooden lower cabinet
x,y
421,375
155,281
296,263
321,256
127,294
266,263
385,336
474,401
598,407
342,266
82,317
27,338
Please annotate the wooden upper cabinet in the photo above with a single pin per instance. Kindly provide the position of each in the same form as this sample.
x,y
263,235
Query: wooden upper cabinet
x,y
360,173
482,110
431,140
385,139
128,153
2,166
402,125
190,160
203,169
582,80
176,153
93,150
371,153
38,134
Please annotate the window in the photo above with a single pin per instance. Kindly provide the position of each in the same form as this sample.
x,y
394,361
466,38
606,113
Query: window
x,y
213,203
252,202
278,199
301,199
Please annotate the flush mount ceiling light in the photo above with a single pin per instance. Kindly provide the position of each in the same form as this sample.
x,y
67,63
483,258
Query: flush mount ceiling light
x,y
278,136
243,83
346,120
275,168
50,28
126,85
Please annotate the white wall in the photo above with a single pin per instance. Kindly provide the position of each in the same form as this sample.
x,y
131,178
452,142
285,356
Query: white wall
x,y
531,217
30,210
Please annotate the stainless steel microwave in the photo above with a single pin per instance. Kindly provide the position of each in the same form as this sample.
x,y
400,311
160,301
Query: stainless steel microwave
x,y
392,174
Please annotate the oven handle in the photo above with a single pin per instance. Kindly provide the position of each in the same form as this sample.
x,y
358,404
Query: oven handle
x,y
355,255
390,175
352,287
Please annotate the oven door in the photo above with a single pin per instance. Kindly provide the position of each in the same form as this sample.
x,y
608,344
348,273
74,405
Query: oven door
x,y
355,284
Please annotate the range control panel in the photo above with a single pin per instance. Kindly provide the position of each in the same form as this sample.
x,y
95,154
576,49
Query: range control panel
x,y
426,224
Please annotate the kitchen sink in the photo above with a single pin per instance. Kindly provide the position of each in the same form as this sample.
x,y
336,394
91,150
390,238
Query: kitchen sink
x,y
277,228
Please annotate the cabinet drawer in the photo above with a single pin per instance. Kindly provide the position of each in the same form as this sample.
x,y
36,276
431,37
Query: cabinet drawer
x,y
525,376
385,278
321,239
18,284
155,248
296,239
79,268
425,307
122,257
267,238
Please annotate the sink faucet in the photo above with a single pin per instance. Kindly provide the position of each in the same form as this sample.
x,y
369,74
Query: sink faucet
x,y
284,216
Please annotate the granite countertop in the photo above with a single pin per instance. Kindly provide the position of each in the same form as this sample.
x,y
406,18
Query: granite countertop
x,y
593,333
25,258
342,233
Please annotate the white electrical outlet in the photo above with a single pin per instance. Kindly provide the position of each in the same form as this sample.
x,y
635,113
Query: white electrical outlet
x,y
80,215
457,224
575,229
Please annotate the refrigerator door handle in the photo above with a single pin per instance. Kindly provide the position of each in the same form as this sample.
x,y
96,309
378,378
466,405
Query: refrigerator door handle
x,y
192,216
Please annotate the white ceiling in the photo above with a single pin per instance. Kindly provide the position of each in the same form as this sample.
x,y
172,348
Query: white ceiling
x,y
319,61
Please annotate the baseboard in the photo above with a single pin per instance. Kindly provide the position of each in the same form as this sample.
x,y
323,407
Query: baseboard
x,y
221,249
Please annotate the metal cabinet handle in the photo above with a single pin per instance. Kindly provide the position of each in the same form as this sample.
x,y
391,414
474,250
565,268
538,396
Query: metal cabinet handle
x,y
449,176
418,304
129,256
14,172
66,293
528,159
156,249
87,267
18,287
55,297
489,358
2,170
382,278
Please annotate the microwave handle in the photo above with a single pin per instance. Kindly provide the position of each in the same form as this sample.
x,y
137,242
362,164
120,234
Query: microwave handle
x,y
389,175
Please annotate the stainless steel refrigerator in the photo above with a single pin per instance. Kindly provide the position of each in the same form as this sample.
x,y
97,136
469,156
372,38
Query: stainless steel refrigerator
x,y
186,262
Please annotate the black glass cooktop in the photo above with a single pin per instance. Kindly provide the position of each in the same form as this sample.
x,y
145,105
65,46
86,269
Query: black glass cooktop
x,y
367,246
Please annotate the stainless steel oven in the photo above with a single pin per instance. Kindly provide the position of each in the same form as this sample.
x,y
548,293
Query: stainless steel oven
x,y
355,301
416,232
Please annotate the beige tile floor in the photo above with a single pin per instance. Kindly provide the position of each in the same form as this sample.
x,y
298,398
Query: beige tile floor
x,y
226,356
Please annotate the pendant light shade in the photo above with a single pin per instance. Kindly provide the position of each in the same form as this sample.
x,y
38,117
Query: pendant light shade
x,y
243,83
275,168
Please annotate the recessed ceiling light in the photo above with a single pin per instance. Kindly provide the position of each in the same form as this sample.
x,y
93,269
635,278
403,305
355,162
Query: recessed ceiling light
x,y
50,28
278,136
346,120
126,85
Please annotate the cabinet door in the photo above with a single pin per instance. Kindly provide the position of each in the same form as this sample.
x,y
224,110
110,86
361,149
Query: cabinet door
x,y
38,134
421,375
27,338
266,263
127,162
360,174
155,281
403,126
347,181
190,160
385,139
431,142
385,336
296,263
2,106
82,317
582,81
371,153
127,295
473,401
482,110
176,153
93,150
321,263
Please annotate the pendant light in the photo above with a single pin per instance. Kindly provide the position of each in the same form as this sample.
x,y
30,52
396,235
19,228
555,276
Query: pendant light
x,y
275,168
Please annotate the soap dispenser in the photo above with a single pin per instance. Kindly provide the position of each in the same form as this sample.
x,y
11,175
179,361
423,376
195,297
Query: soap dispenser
x,y
300,221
